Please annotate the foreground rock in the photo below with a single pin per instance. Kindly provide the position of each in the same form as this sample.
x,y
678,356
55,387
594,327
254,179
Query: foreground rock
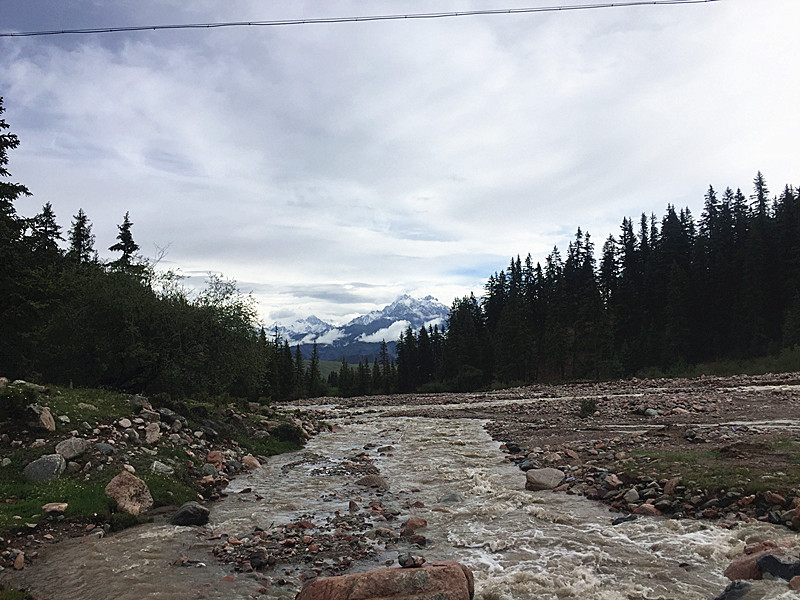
x,y
46,468
190,513
440,581
543,479
130,493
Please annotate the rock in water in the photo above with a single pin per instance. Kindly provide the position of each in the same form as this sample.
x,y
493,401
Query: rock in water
x,y
409,561
543,479
735,591
375,481
441,580
190,513
46,468
130,493
769,563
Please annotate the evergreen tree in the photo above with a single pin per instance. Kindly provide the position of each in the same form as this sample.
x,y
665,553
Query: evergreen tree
x,y
44,232
126,245
81,240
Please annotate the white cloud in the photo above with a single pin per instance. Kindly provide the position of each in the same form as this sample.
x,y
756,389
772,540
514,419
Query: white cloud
x,y
387,334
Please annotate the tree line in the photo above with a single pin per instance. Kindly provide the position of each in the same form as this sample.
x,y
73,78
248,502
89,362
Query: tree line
x,y
69,317
665,294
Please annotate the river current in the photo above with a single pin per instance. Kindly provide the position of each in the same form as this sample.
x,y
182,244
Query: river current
x,y
519,544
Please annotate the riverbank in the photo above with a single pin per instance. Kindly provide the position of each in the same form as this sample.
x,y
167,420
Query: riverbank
x,y
64,446
722,448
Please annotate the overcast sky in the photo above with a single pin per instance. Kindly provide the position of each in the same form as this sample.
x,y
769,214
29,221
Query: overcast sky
x,y
330,168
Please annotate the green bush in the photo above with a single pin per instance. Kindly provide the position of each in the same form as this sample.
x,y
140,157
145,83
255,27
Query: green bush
x,y
13,401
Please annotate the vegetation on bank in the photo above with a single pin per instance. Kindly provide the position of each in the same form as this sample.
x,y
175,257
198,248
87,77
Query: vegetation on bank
x,y
83,411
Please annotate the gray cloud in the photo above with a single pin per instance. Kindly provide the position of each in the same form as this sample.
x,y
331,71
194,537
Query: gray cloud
x,y
411,157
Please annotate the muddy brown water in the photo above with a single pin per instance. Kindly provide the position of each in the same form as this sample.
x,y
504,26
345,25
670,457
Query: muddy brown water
x,y
519,544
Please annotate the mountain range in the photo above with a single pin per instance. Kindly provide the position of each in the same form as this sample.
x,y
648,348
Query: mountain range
x,y
361,338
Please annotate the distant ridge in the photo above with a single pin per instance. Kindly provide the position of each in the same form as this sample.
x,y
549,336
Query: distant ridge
x,y
361,338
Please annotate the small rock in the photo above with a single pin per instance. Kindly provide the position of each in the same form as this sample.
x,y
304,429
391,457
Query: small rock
x,y
735,591
19,561
58,508
409,561
373,480
104,448
152,433
125,423
251,462
161,468
631,496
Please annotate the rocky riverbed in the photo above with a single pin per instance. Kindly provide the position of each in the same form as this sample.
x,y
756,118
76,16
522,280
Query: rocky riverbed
x,y
722,448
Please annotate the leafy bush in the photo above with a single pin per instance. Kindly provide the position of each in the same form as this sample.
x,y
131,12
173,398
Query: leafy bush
x,y
13,401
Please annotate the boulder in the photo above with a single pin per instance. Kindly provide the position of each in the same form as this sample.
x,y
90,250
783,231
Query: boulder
x,y
440,580
190,513
543,479
161,468
41,418
58,508
130,493
777,567
251,462
72,447
46,468
215,458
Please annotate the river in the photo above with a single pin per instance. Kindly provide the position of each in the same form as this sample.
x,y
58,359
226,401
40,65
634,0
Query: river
x,y
519,544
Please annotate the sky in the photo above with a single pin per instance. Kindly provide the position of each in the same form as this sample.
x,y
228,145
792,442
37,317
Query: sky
x,y
330,168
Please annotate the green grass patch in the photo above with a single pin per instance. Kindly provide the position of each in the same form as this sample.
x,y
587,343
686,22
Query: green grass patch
x,y
774,466
9,593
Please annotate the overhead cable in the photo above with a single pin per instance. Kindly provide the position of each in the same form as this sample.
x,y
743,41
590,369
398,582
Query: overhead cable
x,y
366,18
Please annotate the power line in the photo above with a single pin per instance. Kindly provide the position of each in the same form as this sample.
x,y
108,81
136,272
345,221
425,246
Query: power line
x,y
367,18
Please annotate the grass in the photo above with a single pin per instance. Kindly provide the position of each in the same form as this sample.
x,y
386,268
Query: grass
x,y
775,466
786,361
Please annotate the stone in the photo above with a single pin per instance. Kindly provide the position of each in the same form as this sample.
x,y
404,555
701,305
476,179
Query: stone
x,y
152,433
773,498
409,561
64,419
260,558
669,487
373,480
130,493
631,496
440,580
5,462
125,423
19,561
72,447
450,498
215,458
647,510
736,590
161,468
528,464
86,406
191,513
150,416
43,419
794,583
250,462
413,524
612,481
106,449
775,566
58,508
543,479
46,468
651,412
209,469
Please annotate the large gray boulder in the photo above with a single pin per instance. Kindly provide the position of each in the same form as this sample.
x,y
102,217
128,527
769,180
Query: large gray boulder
x,y
46,468
543,479
72,447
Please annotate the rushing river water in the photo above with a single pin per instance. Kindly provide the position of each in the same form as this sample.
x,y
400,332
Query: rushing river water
x,y
519,544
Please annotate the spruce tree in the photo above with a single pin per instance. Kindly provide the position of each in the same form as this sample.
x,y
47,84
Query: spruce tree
x,y
44,232
126,245
81,240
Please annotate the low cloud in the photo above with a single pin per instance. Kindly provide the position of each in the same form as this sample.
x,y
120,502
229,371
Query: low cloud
x,y
388,334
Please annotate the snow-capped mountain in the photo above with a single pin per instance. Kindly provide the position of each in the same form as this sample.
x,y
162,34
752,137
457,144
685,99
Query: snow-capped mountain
x,y
361,338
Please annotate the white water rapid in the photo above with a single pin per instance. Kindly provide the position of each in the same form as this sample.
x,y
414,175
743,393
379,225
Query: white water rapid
x,y
519,544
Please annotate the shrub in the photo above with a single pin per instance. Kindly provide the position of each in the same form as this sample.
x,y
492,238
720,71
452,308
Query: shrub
x,y
588,407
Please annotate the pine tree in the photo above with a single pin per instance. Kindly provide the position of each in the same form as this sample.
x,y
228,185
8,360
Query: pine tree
x,y
44,232
81,240
126,245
